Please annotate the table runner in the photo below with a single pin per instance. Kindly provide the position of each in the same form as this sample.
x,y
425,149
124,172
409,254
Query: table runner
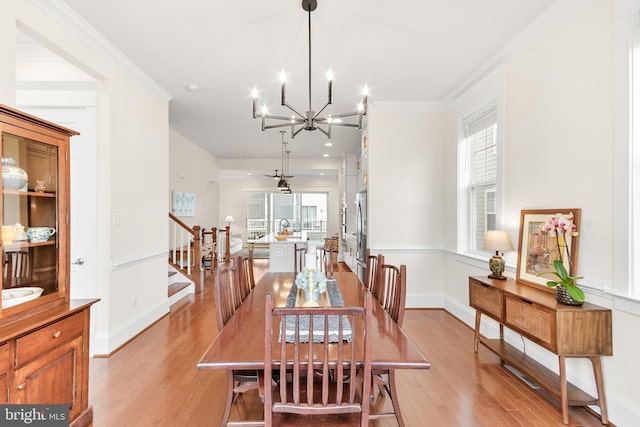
x,y
336,300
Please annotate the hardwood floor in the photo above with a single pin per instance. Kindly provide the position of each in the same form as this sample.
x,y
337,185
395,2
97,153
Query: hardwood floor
x,y
152,381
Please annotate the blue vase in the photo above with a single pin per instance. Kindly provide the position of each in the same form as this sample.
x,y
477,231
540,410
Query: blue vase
x,y
310,295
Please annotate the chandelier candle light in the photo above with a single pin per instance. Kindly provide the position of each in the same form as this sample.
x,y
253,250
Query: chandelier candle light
x,y
310,120
497,240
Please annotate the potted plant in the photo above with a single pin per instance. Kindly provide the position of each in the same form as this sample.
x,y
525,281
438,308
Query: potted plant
x,y
206,260
567,292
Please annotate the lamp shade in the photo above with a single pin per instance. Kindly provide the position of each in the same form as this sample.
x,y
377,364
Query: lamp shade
x,y
229,218
497,240
282,184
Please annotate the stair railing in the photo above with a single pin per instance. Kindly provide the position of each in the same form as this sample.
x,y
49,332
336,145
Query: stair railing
x,y
184,244
188,245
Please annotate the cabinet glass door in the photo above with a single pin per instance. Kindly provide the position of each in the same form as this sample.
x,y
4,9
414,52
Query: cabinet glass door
x,y
29,219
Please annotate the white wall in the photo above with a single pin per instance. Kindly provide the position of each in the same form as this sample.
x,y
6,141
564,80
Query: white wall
x,y
405,195
132,171
558,152
194,170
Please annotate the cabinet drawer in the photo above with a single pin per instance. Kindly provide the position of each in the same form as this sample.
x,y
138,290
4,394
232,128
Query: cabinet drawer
x,y
47,338
534,321
486,299
5,359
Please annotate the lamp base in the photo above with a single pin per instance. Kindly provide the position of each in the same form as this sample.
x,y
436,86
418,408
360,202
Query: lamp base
x,y
496,265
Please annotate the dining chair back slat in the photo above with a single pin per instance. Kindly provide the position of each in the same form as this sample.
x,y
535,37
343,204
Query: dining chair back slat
x,y
372,272
392,290
327,378
247,280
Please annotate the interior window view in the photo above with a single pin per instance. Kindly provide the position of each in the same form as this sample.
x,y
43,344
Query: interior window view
x,y
320,213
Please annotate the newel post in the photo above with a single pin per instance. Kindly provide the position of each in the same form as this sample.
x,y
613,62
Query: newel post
x,y
197,250
214,242
227,249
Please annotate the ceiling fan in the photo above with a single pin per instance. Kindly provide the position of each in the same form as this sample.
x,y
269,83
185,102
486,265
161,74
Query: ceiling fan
x,y
274,176
278,176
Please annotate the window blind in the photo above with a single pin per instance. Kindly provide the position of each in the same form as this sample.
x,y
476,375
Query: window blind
x,y
480,121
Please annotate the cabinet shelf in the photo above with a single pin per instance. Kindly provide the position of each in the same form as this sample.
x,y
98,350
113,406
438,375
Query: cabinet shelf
x,y
545,378
28,244
29,193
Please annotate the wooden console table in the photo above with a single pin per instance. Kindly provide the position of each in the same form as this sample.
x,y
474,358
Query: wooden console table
x,y
567,331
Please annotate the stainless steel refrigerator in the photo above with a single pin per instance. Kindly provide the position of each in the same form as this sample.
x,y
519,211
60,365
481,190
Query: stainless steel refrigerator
x,y
361,233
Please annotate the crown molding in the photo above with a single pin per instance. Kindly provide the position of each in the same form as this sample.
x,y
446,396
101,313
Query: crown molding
x,y
407,106
80,28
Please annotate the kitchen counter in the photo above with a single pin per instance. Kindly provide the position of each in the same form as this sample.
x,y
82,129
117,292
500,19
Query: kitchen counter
x,y
296,237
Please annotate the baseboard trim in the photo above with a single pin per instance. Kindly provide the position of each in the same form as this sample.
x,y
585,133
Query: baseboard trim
x,y
107,344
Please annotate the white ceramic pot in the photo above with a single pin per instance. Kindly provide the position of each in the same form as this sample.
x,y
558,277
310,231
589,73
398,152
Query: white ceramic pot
x,y
13,178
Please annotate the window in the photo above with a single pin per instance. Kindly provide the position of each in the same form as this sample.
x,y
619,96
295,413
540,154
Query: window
x,y
303,212
626,212
634,107
480,133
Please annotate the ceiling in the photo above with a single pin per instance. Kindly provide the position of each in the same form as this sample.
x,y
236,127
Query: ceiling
x,y
411,50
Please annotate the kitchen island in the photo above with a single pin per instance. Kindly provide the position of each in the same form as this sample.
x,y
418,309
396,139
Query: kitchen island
x,y
281,251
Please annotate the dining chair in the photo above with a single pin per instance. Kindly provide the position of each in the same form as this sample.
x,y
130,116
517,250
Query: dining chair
x,y
299,249
392,288
326,261
371,273
17,268
228,298
321,390
247,280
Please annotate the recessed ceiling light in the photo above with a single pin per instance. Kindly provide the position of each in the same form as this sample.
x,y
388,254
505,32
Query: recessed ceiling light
x,y
325,155
321,173
328,144
192,87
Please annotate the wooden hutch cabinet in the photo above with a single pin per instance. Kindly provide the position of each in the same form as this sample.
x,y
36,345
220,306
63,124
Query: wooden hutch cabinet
x,y
567,331
44,335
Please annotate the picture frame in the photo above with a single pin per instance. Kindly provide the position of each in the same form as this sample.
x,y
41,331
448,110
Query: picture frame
x,y
539,244
184,204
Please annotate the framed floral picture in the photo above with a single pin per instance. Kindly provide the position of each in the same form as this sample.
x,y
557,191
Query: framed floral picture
x,y
547,235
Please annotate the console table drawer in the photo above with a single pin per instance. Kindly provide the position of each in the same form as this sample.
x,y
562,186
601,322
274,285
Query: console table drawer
x,y
486,299
534,321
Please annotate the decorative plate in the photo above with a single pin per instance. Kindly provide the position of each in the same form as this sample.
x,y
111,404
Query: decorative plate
x,y
15,296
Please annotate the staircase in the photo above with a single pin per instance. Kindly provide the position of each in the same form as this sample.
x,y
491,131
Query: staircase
x,y
188,246
179,286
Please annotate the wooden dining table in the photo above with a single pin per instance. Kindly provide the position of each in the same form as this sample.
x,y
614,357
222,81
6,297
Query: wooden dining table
x,y
240,344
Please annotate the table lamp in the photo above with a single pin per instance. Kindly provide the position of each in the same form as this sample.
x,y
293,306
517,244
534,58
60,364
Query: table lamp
x,y
229,219
497,240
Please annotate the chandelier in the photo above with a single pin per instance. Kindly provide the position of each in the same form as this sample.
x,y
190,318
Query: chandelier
x,y
309,120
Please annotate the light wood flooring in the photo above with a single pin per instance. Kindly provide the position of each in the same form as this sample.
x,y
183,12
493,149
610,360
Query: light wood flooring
x,y
152,381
